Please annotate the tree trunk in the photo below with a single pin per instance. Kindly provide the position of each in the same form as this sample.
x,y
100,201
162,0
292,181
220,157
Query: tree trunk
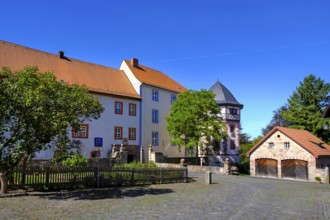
x,y
4,182
23,171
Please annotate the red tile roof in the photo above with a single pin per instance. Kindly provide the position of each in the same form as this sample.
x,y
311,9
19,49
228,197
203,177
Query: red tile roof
x,y
155,78
303,138
97,78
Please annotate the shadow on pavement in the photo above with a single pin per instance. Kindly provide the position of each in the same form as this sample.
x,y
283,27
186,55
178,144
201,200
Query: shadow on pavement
x,y
104,193
97,194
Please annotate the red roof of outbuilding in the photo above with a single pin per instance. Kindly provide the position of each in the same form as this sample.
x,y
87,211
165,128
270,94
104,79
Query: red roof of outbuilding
x,y
303,138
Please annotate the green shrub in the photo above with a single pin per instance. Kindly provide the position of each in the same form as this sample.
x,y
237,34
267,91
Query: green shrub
x,y
317,178
135,165
75,160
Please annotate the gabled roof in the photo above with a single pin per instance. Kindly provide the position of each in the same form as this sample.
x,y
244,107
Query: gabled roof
x,y
223,96
303,138
97,78
153,77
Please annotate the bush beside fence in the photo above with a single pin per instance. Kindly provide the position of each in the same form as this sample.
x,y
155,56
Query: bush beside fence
x,y
47,178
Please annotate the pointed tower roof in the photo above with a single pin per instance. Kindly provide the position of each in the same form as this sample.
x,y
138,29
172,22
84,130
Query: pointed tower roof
x,y
223,96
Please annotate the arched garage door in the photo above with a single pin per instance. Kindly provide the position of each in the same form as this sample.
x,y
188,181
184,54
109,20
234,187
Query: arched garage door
x,y
297,169
266,167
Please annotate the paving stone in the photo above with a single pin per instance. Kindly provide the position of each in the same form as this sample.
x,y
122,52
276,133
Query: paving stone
x,y
229,197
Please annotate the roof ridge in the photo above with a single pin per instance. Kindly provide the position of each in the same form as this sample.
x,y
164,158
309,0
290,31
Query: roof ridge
x,y
179,85
52,54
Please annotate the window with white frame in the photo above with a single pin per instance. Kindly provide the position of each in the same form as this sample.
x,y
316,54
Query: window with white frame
x,y
132,109
155,95
286,145
173,98
81,133
132,133
118,133
119,108
154,138
155,116
271,145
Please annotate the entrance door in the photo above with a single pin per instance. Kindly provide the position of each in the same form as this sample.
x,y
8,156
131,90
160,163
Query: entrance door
x,y
297,169
266,167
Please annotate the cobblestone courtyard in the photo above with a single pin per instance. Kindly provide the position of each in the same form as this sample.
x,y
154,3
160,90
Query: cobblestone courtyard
x,y
229,197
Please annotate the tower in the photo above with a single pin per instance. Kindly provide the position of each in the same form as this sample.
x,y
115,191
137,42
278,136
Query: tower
x,y
230,110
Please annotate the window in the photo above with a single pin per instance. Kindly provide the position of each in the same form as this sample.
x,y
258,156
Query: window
x,y
232,144
132,133
173,98
271,145
232,131
82,133
155,116
232,128
119,108
286,145
132,109
154,138
118,133
155,95
233,111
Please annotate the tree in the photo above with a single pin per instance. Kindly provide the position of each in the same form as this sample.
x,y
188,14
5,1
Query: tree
x,y
194,120
277,120
245,146
306,106
36,112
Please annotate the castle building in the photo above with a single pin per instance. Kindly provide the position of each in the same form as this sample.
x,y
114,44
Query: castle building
x,y
136,100
230,110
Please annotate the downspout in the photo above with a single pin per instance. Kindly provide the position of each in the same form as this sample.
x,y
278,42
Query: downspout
x,y
140,121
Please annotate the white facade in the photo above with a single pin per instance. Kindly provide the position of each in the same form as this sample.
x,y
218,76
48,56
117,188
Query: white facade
x,y
148,127
104,127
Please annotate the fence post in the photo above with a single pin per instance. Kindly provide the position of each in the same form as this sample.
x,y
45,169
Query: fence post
x,y
132,177
161,175
185,175
47,177
96,177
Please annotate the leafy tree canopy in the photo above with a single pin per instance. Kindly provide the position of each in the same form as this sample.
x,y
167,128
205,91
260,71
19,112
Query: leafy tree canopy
x,y
36,111
194,119
245,146
306,105
277,120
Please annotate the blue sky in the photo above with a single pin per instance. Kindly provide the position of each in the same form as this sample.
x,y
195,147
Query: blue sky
x,y
260,50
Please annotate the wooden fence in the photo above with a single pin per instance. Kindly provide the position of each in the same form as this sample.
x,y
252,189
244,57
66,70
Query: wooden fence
x,y
47,178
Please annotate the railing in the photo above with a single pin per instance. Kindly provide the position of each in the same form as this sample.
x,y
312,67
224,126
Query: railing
x,y
45,178
231,117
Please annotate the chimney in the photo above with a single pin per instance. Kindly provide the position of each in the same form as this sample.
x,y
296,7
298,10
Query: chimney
x,y
61,54
135,62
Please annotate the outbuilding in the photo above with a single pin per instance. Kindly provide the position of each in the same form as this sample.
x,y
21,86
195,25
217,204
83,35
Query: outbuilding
x,y
290,153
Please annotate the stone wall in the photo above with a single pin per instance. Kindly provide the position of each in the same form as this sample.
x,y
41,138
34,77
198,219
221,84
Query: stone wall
x,y
193,168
